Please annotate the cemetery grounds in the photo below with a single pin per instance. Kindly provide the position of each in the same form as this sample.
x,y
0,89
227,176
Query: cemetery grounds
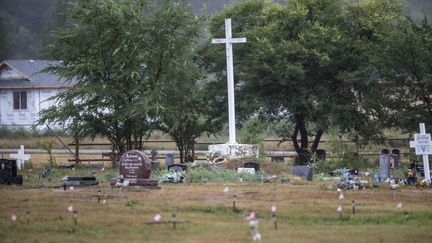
x,y
306,211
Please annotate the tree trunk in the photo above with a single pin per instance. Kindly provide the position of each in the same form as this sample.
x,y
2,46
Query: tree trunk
x,y
303,153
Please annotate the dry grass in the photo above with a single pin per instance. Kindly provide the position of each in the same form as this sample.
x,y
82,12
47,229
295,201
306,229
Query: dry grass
x,y
306,213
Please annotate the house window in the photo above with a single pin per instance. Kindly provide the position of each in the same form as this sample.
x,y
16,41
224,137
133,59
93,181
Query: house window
x,y
20,100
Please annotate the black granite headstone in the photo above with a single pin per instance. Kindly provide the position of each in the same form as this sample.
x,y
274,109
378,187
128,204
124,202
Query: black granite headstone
x,y
252,164
81,181
321,154
8,172
396,157
177,167
303,171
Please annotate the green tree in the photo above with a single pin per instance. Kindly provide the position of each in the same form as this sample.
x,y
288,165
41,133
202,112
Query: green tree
x,y
187,113
120,53
404,66
303,64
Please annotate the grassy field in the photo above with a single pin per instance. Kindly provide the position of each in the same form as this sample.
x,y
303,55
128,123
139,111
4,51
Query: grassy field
x,y
306,212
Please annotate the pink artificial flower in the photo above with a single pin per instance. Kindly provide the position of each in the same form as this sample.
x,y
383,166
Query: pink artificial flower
x,y
341,196
273,209
367,173
157,217
340,209
70,209
251,216
13,217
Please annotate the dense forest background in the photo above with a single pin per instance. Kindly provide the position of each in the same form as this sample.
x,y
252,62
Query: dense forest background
x,y
25,25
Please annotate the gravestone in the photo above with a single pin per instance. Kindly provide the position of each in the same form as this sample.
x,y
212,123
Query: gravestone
x,y
177,167
155,164
135,167
303,171
251,164
8,172
246,170
321,154
169,159
396,157
80,181
384,167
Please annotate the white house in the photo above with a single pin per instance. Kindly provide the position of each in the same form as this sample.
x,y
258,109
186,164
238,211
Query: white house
x,y
24,91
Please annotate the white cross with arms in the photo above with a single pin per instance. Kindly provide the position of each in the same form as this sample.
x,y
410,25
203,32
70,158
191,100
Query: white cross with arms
x,y
20,157
228,41
423,146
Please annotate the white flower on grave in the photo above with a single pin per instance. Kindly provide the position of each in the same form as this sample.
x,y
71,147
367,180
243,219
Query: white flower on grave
x,y
257,237
13,217
399,205
104,201
157,217
103,168
71,188
226,189
340,209
339,190
70,209
65,178
341,196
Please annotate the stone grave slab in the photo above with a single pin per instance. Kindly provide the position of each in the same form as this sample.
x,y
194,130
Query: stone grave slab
x,y
135,167
80,181
303,171
8,172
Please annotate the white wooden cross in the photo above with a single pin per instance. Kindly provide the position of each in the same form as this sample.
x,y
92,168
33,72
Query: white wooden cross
x,y
20,157
228,41
423,146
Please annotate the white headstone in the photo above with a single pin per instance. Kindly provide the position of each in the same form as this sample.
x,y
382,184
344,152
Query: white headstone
x,y
423,146
228,41
246,170
20,157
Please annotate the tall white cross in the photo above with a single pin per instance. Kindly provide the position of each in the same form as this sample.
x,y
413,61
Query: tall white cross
x,y
228,41
423,146
20,157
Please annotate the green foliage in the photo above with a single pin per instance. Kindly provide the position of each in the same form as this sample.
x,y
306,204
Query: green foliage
x,y
131,202
48,145
302,63
122,55
406,73
253,131
204,175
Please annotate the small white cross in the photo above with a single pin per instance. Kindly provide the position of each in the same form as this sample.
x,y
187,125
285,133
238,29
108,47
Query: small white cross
x,y
20,157
423,146
228,41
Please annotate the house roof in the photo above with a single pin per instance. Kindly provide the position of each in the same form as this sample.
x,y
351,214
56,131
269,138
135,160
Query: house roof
x,y
26,74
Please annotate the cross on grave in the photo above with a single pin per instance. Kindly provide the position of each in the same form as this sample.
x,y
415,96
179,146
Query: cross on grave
x,y
20,157
228,41
423,146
